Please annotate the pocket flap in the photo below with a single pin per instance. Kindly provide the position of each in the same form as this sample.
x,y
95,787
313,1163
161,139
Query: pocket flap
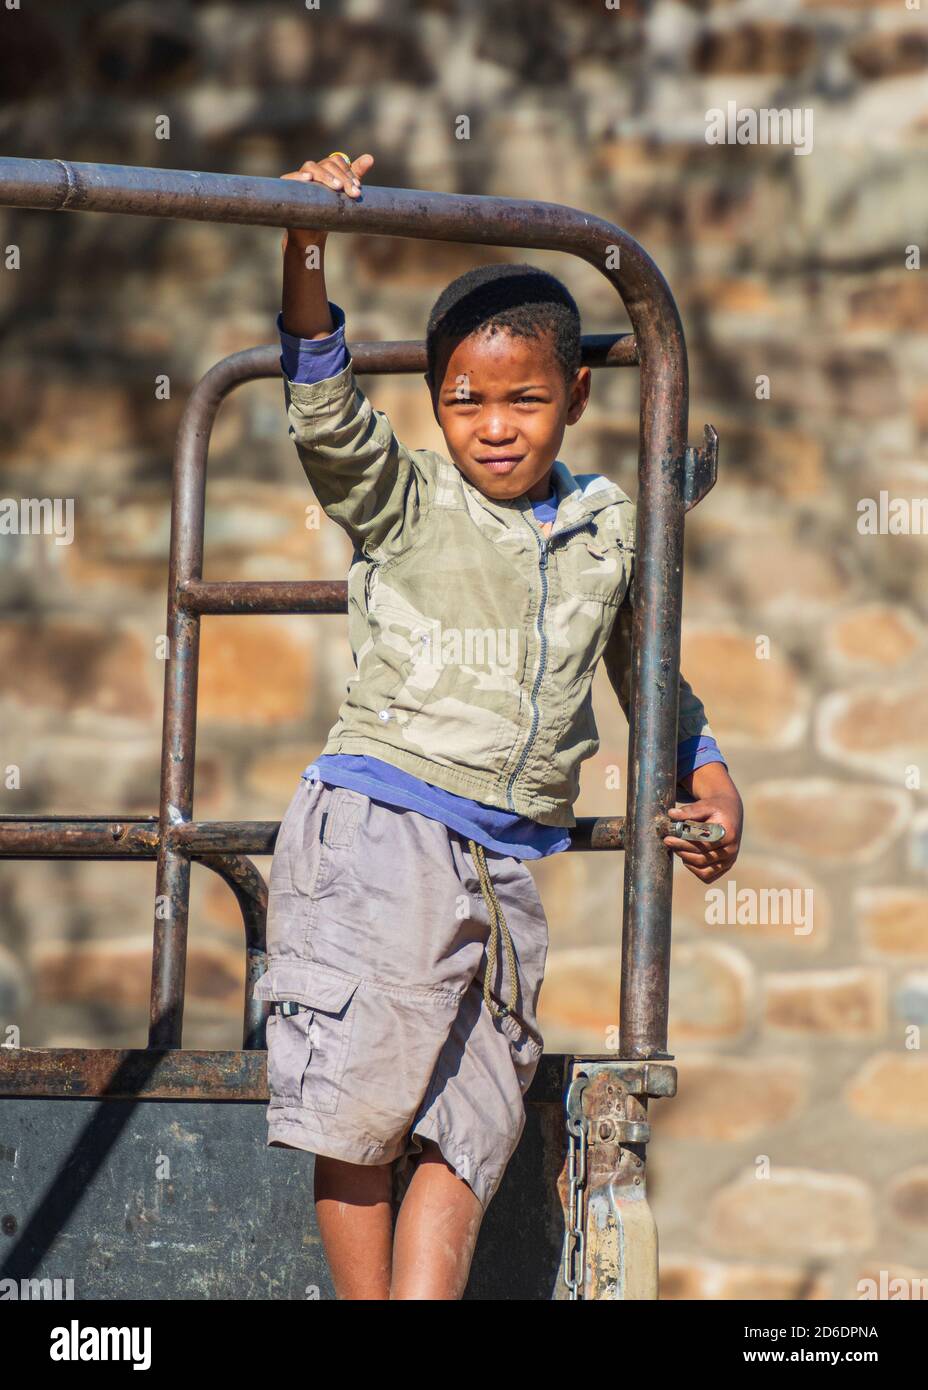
x,y
307,982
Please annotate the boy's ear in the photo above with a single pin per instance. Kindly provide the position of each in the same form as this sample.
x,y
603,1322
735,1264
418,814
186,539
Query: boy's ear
x,y
580,394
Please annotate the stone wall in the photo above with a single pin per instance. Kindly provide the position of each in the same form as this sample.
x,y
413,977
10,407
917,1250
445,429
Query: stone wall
x,y
794,1161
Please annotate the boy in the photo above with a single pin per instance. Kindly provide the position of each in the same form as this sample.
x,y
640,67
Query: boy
x,y
406,940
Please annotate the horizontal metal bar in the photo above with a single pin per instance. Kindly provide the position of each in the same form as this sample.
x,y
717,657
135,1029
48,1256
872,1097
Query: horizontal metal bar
x,y
400,357
79,1073
52,818
263,596
58,838
112,837
58,185
408,356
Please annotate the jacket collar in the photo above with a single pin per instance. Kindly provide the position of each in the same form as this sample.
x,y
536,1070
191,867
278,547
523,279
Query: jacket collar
x,y
578,497
581,496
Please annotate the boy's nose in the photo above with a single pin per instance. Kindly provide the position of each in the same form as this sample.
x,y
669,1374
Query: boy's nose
x,y
495,429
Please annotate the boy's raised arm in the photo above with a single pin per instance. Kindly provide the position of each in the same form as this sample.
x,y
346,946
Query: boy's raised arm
x,y
364,477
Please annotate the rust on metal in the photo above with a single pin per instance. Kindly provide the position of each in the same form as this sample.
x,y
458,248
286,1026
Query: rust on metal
x,y
121,1074
620,1245
264,596
148,1073
104,837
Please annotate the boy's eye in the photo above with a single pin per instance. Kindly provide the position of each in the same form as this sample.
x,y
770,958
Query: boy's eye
x,y
520,400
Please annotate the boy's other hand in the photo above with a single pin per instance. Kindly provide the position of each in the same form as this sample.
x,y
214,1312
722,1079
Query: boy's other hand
x,y
718,804
334,173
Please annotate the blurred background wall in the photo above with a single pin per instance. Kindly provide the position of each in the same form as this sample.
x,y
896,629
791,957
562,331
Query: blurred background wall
x,y
794,1161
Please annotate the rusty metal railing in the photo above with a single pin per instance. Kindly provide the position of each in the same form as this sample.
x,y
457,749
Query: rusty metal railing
x,y
671,479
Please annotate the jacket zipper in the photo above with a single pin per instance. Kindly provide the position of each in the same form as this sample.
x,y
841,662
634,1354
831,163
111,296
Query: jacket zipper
x,y
543,546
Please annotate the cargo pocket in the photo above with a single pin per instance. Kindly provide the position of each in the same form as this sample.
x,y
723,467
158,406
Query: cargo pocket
x,y
307,1050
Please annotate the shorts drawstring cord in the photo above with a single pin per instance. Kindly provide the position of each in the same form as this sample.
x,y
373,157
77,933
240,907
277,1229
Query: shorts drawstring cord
x,y
498,930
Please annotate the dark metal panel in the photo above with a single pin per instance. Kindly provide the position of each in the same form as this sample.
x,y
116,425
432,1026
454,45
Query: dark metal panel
x,y
156,1200
185,1200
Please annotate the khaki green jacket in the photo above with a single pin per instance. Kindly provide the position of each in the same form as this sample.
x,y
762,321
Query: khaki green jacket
x,y
475,638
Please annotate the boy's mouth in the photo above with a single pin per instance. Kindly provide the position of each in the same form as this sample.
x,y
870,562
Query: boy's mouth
x,y
501,464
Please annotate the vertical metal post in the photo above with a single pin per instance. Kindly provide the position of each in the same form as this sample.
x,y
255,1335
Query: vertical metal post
x,y
652,755
178,739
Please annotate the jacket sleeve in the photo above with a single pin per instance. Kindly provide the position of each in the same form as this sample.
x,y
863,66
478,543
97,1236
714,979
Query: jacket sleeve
x,y
366,480
691,718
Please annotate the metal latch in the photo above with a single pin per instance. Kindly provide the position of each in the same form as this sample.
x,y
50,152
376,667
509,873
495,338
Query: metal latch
x,y
700,469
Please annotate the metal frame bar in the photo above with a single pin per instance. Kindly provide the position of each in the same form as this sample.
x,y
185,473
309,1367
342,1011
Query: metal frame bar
x,y
665,473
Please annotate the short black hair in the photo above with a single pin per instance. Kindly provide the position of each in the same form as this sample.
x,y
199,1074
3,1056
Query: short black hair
x,y
519,299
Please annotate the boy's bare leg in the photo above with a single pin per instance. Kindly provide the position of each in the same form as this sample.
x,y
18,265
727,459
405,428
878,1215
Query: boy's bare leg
x,y
354,1211
436,1231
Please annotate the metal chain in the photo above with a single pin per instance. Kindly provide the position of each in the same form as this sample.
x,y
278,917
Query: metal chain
x,y
578,1126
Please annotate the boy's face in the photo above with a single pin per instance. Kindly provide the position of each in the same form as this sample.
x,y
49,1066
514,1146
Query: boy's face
x,y
503,405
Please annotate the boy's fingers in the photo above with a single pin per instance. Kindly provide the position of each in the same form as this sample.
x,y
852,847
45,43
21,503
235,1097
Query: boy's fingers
x,y
705,811
335,172
692,810
708,875
309,169
332,171
341,175
689,856
706,861
722,847
691,851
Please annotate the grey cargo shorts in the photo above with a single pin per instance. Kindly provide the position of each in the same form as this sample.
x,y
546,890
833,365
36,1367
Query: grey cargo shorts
x,y
376,931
